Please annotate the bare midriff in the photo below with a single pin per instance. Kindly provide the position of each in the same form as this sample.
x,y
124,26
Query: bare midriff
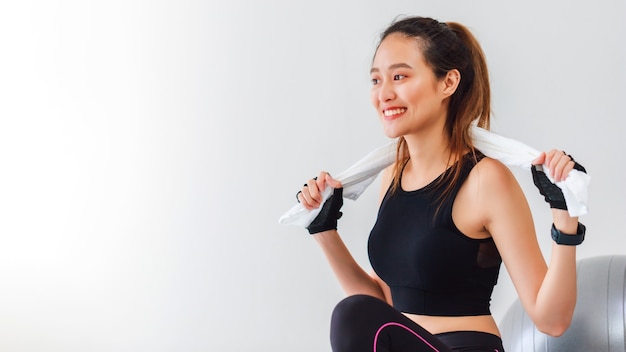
x,y
439,324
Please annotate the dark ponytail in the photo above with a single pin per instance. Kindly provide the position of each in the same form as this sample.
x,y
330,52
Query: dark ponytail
x,y
475,103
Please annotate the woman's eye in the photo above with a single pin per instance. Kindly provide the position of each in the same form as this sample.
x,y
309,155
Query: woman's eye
x,y
398,77
375,81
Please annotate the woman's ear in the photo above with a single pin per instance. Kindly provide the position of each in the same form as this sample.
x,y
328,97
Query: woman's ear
x,y
450,82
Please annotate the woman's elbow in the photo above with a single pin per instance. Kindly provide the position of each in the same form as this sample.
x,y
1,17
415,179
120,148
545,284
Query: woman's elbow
x,y
555,328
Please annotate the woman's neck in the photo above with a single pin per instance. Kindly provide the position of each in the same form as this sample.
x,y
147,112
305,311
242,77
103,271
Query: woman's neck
x,y
429,155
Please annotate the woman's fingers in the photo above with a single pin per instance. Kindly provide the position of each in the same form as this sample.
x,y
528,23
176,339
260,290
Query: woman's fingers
x,y
332,182
310,196
564,166
559,164
540,159
321,181
315,190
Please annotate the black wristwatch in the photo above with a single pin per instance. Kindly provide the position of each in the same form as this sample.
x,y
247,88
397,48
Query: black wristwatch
x,y
569,240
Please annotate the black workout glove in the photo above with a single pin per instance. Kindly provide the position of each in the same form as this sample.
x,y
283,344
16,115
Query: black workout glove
x,y
330,213
552,193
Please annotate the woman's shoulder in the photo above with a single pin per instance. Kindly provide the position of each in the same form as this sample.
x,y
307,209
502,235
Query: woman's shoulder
x,y
491,167
495,182
387,173
386,180
492,175
490,188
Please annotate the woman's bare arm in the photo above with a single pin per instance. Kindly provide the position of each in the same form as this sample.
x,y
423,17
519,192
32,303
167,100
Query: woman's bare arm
x,y
547,292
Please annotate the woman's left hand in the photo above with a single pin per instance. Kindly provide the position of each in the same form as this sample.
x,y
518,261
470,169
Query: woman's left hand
x,y
559,163
560,166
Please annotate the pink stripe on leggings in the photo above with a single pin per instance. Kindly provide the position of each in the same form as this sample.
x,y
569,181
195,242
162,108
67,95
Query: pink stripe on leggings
x,y
406,328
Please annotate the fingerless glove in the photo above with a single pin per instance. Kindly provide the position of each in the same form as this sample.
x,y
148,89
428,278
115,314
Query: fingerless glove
x,y
329,214
551,192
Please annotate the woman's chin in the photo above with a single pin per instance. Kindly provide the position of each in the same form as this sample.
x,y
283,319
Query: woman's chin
x,y
392,133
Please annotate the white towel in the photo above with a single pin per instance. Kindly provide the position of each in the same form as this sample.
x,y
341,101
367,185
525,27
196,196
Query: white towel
x,y
510,152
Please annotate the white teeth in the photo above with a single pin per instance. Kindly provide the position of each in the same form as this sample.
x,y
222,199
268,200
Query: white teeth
x,y
394,111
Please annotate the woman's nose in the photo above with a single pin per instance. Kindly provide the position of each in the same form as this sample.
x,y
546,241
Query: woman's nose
x,y
386,92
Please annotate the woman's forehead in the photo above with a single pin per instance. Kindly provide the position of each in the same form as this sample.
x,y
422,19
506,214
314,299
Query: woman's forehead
x,y
397,48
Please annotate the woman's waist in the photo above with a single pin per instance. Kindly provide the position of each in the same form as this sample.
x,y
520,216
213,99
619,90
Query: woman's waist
x,y
443,324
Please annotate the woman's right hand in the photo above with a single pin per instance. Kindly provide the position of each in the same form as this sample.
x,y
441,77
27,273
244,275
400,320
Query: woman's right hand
x,y
311,198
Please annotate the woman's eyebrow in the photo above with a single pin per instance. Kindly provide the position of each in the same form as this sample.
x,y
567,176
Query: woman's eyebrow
x,y
391,67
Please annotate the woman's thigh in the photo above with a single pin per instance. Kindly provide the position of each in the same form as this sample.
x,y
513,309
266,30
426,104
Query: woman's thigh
x,y
365,323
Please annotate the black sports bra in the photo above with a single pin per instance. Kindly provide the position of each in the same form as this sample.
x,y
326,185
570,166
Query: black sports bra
x,y
430,266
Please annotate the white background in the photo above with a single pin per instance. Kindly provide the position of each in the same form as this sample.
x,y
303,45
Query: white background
x,y
148,148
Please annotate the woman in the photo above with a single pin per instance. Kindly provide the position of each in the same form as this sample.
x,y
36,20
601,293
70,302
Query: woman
x,y
449,216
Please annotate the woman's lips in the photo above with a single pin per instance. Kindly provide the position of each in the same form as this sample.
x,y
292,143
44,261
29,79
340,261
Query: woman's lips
x,y
392,113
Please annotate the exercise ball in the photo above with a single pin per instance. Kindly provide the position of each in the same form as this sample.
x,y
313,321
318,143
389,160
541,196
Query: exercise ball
x,y
599,321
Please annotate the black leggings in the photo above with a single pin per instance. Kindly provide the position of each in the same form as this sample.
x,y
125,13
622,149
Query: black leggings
x,y
364,323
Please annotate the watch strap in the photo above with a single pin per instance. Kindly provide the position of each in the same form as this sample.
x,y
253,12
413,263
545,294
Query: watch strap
x,y
567,239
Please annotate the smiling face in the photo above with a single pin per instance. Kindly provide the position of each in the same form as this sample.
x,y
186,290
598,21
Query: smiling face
x,y
406,93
